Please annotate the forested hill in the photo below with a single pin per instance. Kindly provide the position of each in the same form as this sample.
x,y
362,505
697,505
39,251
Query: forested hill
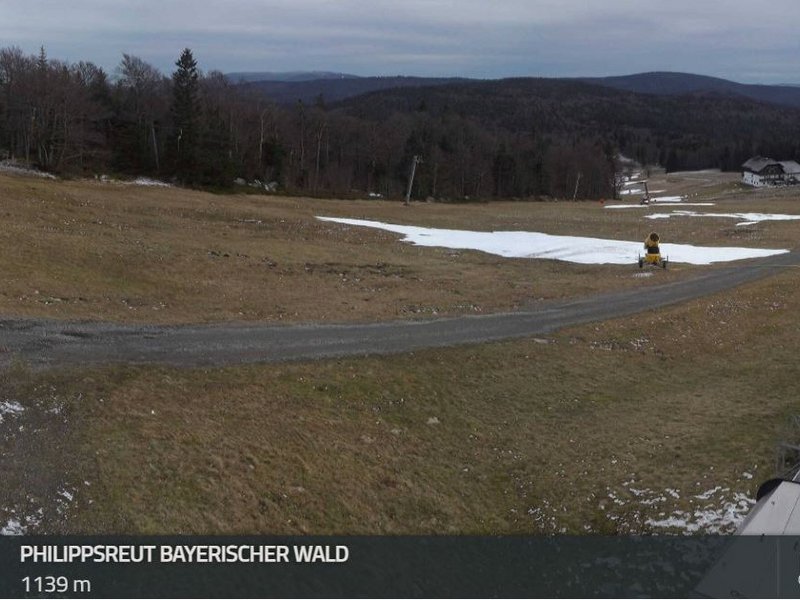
x,y
688,131
286,88
513,138
331,89
669,83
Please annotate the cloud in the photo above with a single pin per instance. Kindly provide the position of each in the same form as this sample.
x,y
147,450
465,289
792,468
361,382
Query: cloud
x,y
429,37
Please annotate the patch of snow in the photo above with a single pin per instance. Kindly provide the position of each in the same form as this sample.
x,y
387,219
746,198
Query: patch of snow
x,y
13,527
680,522
143,181
719,512
22,526
10,407
652,501
581,250
708,493
746,218
724,518
17,169
146,181
700,172
637,191
651,206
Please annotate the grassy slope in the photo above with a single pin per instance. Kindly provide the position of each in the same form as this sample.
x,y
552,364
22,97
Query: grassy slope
x,y
513,437
522,436
127,253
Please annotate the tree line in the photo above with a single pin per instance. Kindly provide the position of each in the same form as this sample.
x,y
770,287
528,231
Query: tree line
x,y
503,139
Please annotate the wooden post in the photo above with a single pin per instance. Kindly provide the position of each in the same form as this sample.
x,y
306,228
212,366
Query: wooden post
x,y
577,181
414,162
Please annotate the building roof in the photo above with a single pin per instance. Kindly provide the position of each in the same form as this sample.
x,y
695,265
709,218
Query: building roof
x,y
790,167
758,163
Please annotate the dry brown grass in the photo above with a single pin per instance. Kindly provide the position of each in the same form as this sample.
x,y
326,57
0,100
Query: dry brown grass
x,y
521,437
75,249
517,437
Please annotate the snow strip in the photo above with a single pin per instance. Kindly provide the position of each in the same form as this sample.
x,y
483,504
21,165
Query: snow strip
x,y
745,218
652,206
146,181
581,250
11,167
639,191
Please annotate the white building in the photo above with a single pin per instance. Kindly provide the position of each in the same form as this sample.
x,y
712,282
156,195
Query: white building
x,y
760,172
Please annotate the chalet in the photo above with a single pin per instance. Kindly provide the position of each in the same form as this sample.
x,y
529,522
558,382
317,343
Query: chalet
x,y
760,172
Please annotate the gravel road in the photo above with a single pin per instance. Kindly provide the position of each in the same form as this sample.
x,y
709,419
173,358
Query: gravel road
x,y
49,343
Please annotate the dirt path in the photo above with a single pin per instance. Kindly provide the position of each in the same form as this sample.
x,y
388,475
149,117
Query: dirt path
x,y
47,344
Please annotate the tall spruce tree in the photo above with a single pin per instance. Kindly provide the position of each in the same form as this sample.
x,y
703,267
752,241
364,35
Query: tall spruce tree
x,y
185,117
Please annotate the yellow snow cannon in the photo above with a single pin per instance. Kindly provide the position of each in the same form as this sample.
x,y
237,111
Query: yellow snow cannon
x,y
652,252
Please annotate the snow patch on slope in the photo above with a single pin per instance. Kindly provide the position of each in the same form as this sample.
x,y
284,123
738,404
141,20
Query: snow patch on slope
x,y
744,218
581,250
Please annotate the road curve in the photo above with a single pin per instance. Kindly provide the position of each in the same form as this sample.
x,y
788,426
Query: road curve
x,y
49,343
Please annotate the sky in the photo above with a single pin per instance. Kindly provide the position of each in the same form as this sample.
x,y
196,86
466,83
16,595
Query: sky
x,y
734,39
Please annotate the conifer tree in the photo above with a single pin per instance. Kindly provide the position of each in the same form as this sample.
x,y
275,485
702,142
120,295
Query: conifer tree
x,y
185,117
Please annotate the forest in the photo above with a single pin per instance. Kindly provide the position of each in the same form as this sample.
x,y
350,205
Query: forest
x,y
524,138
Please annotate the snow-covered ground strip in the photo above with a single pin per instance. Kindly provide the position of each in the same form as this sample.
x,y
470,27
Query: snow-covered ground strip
x,y
11,167
744,218
149,182
655,206
637,191
582,250
143,181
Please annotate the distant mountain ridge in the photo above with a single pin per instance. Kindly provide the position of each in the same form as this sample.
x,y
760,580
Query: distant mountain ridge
x,y
289,87
251,76
334,90
667,83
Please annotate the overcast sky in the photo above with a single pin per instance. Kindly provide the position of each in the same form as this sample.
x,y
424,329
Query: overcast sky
x,y
741,40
